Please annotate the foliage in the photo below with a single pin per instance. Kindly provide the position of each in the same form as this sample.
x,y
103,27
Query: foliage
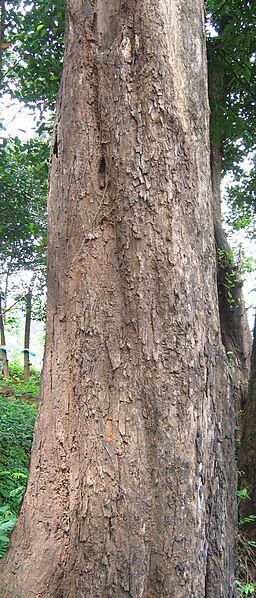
x,y
243,493
248,519
17,419
245,589
236,265
17,383
231,43
23,182
232,69
246,561
241,197
33,60
246,552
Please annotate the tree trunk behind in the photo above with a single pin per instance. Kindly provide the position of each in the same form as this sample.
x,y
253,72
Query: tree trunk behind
x,y
131,491
3,351
235,332
28,303
247,455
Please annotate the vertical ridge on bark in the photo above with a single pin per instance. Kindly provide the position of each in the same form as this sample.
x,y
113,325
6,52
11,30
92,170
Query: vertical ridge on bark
x,y
131,491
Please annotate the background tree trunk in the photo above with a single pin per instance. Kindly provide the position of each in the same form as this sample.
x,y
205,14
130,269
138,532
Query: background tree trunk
x,y
3,351
131,491
28,304
235,332
247,455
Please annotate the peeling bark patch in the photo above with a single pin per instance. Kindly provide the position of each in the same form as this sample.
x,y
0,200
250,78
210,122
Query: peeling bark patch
x,y
109,428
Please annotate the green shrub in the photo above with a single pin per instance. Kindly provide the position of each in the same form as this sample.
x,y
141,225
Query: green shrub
x,y
17,418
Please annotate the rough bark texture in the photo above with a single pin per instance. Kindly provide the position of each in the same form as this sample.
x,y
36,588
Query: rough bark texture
x,y
131,492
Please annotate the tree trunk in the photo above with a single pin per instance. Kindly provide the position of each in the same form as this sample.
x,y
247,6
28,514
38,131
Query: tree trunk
x,y
131,490
247,455
28,303
235,330
3,350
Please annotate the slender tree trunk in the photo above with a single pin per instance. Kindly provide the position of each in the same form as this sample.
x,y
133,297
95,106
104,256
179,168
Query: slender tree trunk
x,y
28,319
235,330
216,163
28,303
247,455
3,350
131,491
6,289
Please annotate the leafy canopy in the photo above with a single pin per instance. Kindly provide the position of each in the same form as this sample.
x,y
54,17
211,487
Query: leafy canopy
x,y
23,190
33,61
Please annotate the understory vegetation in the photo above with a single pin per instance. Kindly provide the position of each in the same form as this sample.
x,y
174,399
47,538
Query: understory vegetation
x,y
18,407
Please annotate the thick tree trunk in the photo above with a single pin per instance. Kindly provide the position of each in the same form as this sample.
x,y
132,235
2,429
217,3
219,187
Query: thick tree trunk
x,y
28,303
131,491
3,350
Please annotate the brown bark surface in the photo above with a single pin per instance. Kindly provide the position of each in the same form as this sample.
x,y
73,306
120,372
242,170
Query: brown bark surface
x,y
131,490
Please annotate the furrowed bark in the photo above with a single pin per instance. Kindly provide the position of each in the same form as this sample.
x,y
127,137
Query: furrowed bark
x,y
131,490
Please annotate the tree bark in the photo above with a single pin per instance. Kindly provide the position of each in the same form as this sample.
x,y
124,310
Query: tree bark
x,y
3,351
247,454
131,491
